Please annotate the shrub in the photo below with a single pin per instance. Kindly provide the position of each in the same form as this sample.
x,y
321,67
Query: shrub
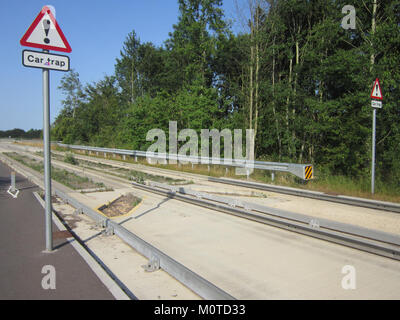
x,y
69,158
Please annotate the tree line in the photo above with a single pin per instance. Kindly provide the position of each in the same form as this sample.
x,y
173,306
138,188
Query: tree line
x,y
22,134
293,74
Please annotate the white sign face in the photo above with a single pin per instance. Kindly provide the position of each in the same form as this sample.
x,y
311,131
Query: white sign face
x,y
376,104
43,60
45,33
376,90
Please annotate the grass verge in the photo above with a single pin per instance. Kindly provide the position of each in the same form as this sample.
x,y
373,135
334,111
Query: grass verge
x,y
67,178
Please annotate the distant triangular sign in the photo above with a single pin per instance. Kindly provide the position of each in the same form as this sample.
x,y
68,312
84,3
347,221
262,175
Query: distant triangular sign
x,y
376,91
45,33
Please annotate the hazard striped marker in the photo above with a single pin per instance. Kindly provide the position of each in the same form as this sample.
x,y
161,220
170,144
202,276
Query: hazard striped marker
x,y
308,172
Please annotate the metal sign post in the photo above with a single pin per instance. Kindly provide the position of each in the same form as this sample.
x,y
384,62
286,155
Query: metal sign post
x,y
375,94
47,157
373,150
46,34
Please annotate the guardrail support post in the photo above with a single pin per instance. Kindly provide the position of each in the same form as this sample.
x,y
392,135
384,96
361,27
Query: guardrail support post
x,y
124,157
152,265
272,176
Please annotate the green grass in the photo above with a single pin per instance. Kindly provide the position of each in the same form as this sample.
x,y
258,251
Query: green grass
x,y
74,181
69,158
136,201
360,187
334,184
65,177
129,174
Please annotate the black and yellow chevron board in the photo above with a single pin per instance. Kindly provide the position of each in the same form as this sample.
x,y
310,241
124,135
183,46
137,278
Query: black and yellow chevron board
x,y
308,172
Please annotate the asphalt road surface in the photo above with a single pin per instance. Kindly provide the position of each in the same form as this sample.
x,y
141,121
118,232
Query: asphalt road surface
x,y
23,263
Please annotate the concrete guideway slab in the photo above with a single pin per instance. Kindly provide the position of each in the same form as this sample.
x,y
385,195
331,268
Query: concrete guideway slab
x,y
254,261
364,217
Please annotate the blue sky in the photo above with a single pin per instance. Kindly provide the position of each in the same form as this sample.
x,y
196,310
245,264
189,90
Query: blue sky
x,y
95,29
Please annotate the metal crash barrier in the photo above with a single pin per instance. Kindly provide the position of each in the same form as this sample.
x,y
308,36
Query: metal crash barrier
x,y
303,171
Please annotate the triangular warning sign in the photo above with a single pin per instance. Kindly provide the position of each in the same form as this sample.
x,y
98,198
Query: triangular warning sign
x,y
376,90
45,33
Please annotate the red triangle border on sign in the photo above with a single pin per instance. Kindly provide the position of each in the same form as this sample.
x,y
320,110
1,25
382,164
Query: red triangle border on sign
x,y
380,90
27,34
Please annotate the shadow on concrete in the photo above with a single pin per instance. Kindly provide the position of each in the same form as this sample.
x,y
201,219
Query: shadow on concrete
x,y
147,211
94,256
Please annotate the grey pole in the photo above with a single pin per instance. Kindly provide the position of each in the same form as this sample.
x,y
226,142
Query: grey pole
x,y
47,158
13,181
373,151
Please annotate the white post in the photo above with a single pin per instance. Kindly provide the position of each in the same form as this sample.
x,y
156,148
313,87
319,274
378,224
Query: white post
x,y
47,158
13,181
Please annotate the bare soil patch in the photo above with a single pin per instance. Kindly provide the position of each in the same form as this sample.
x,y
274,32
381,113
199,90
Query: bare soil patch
x,y
120,206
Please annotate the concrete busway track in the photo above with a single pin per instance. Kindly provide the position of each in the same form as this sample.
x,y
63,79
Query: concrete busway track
x,y
353,201
373,241
329,233
250,260
375,219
